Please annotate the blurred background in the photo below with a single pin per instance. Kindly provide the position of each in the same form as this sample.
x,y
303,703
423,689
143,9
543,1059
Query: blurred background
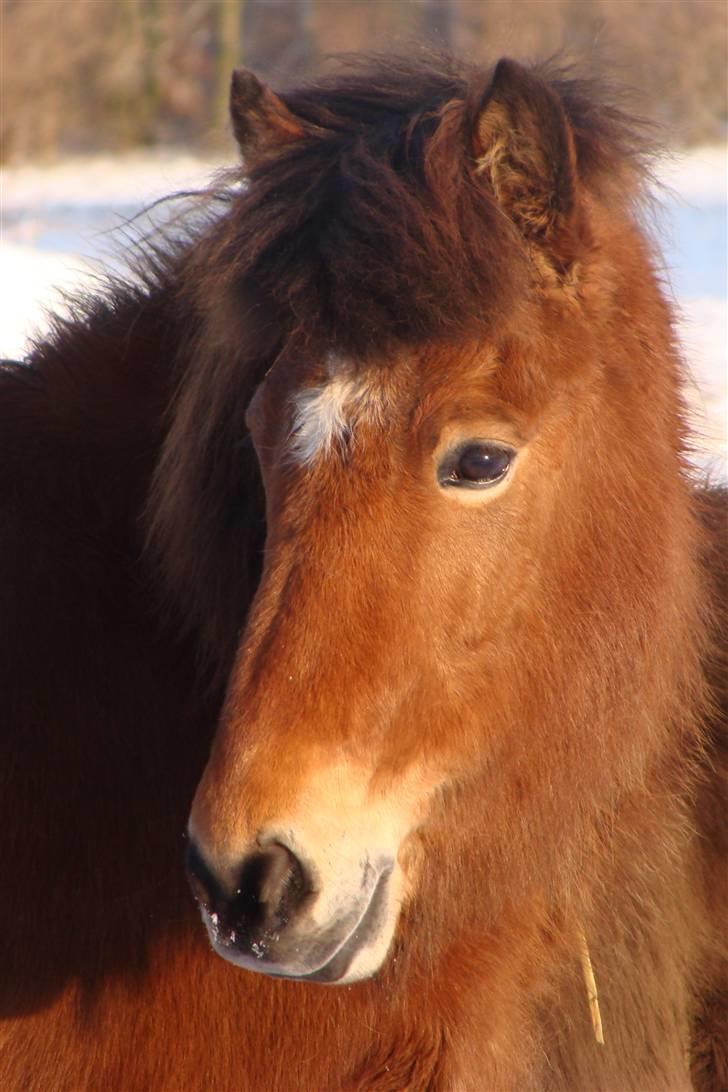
x,y
107,104
96,75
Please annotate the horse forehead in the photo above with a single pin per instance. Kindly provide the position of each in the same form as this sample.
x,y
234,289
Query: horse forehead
x,y
327,414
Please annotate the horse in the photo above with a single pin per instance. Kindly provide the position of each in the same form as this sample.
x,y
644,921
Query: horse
x,y
351,554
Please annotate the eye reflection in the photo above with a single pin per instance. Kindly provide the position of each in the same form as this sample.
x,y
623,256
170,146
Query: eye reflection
x,y
476,464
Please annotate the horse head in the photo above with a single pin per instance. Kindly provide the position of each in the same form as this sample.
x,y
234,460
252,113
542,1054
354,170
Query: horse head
x,y
453,661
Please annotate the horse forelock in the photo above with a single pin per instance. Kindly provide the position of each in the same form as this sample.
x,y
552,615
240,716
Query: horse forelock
x,y
375,231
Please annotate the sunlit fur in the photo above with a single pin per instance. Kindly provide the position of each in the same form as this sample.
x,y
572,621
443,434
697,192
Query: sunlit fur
x,y
537,671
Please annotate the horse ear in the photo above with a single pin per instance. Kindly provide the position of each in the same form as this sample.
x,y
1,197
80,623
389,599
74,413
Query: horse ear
x,y
259,117
524,145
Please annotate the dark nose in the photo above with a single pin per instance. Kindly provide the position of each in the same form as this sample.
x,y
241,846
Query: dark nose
x,y
272,885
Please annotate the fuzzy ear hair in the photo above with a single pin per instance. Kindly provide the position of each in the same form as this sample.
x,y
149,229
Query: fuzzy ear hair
x,y
259,117
524,146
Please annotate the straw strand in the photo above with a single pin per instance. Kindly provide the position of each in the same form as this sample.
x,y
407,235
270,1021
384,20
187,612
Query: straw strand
x,y
591,986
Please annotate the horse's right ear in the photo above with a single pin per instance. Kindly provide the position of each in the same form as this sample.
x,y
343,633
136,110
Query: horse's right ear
x,y
260,119
524,147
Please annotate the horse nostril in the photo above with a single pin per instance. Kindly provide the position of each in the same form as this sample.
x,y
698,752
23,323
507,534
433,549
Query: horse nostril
x,y
272,886
205,887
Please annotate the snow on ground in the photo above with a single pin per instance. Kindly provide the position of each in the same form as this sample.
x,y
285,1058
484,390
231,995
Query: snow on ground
x,y
58,234
63,225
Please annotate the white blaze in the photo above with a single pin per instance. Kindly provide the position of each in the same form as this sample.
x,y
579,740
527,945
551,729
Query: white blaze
x,y
326,414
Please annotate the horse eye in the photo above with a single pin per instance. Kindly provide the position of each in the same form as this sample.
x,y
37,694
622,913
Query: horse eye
x,y
476,465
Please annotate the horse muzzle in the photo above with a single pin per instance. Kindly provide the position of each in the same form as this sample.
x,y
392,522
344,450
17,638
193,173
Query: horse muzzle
x,y
279,919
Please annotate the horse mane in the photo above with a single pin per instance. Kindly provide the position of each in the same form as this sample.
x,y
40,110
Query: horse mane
x,y
372,235
375,232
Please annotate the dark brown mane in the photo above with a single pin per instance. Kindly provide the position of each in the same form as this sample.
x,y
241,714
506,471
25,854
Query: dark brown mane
x,y
369,234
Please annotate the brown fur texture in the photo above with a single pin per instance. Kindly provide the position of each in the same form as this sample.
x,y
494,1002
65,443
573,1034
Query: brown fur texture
x,y
568,677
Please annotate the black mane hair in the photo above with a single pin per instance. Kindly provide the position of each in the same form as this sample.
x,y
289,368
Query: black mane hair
x,y
375,230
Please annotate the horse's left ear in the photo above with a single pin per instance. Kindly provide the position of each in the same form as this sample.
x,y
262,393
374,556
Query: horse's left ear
x,y
524,146
260,118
